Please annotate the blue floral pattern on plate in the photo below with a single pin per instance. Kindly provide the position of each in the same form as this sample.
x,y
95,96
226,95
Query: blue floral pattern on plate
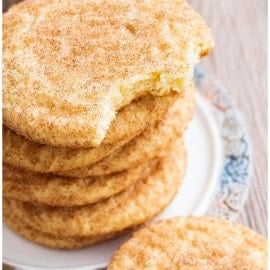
x,y
232,187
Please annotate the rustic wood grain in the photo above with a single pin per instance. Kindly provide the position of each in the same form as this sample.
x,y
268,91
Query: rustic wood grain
x,y
239,61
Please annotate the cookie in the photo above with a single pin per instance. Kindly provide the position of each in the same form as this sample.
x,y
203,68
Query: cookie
x,y
192,243
131,121
130,208
150,144
70,66
53,190
51,241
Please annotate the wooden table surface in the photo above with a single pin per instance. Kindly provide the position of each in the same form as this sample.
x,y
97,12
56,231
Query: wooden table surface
x,y
239,61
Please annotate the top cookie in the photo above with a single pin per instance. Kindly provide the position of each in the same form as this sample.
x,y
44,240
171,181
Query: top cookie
x,y
69,66
203,243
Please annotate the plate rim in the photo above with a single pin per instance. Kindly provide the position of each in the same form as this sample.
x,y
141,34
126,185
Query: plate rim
x,y
205,81
205,203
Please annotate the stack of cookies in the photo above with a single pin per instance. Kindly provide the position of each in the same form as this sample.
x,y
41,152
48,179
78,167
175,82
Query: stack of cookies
x,y
96,97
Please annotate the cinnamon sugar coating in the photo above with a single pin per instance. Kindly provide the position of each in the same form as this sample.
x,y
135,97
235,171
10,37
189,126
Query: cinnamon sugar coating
x,y
70,66
132,207
192,243
130,122
48,189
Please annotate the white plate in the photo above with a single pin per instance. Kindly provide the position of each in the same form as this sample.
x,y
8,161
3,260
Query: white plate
x,y
215,184
204,154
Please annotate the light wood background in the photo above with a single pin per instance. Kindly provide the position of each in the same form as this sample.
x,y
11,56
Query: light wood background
x,y
239,61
